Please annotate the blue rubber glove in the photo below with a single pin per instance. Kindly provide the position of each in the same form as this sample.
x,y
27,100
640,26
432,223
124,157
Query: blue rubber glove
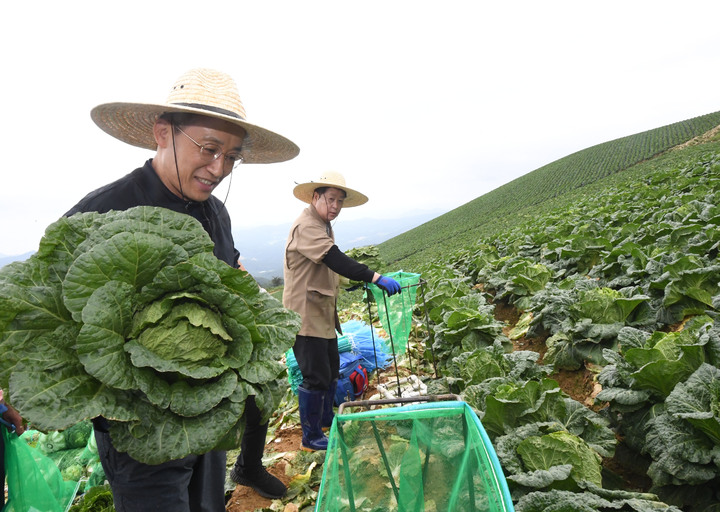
x,y
388,284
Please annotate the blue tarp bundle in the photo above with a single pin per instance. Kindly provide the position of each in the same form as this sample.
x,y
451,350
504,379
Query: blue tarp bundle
x,y
368,343
357,338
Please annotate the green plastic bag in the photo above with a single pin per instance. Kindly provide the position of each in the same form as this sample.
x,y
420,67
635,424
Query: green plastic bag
x,y
34,481
74,452
396,312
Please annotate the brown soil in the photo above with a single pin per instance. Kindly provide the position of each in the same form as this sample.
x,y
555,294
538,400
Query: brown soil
x,y
534,344
578,384
504,312
245,499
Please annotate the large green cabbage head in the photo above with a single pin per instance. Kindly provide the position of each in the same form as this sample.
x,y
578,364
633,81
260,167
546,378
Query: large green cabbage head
x,y
130,316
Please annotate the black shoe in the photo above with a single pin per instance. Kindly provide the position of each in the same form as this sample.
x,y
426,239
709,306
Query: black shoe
x,y
264,483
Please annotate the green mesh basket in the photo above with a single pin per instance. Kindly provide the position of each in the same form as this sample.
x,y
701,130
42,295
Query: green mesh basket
x,y
395,312
433,456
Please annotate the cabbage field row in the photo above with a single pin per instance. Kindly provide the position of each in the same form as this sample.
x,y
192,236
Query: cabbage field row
x,y
623,280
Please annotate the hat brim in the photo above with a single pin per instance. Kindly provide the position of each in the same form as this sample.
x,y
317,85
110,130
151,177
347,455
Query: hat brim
x,y
304,192
133,123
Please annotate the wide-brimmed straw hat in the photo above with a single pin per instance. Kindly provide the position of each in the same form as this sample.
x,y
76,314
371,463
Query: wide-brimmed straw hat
x,y
304,191
200,91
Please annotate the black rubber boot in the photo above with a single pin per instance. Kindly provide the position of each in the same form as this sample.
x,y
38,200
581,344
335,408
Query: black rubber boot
x,y
259,479
248,469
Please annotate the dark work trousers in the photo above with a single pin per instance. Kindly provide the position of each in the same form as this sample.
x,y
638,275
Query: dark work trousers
x,y
195,483
253,441
318,360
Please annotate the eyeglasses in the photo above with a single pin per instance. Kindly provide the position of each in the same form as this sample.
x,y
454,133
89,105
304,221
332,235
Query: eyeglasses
x,y
211,153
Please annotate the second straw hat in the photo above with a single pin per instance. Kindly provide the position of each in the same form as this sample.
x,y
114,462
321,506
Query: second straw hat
x,y
304,191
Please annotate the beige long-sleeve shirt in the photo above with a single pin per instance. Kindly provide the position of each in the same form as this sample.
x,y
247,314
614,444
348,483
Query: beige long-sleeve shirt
x,y
311,288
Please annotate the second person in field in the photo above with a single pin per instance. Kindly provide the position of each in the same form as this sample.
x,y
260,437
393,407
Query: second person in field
x,y
312,266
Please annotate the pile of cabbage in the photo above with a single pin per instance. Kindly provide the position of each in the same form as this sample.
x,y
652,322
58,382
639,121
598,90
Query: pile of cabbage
x,y
128,315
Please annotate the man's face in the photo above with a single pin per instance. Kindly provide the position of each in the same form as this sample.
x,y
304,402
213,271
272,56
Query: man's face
x,y
329,203
199,173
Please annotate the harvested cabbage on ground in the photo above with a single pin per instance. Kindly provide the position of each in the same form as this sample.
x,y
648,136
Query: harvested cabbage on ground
x,y
129,315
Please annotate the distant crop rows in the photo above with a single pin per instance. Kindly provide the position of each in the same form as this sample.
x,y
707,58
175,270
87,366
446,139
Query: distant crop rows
x,y
506,205
597,162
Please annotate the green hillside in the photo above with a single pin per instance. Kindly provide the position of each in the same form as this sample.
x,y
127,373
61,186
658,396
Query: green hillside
x,y
523,197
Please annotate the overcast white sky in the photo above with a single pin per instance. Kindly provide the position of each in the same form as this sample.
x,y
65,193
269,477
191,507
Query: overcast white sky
x,y
421,105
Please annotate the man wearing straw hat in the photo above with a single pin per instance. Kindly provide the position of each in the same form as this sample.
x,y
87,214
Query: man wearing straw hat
x,y
200,135
312,265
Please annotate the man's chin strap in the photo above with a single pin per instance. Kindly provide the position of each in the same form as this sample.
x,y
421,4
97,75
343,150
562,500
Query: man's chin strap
x,y
177,169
